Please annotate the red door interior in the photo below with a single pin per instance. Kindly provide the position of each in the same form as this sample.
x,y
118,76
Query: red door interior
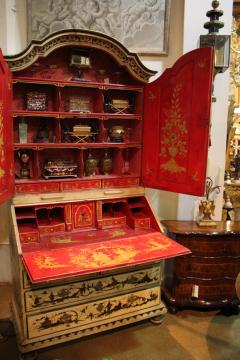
x,y
176,126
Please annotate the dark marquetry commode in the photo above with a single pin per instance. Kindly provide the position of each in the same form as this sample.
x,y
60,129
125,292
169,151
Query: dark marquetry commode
x,y
206,278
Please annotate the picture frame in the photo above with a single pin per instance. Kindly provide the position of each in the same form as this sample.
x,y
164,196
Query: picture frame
x,y
141,26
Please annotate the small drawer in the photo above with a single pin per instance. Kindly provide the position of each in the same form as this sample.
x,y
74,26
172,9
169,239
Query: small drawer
x,y
120,182
142,223
27,188
74,185
93,313
49,229
114,221
49,187
89,289
29,237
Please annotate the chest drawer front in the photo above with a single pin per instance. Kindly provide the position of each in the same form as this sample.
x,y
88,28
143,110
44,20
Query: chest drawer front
x,y
208,268
89,289
211,245
207,290
92,313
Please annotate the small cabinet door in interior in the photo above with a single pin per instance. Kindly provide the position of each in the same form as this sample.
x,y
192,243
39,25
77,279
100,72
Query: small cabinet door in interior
x,y
176,125
6,133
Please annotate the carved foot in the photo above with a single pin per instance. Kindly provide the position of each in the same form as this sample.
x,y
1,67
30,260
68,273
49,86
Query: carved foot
x,y
232,309
157,320
172,309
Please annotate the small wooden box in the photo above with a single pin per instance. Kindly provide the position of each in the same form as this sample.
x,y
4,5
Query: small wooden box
x,y
36,101
79,104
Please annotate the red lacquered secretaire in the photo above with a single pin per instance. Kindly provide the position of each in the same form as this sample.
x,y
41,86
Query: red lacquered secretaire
x,y
82,132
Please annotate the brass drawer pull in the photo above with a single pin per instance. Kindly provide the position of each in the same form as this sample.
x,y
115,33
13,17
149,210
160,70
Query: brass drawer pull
x,y
52,197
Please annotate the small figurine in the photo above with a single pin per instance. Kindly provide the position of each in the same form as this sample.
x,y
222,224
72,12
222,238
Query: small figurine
x,y
24,158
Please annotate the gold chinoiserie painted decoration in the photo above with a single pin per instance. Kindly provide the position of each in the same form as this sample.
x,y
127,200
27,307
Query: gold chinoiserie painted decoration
x,y
47,262
154,245
174,140
116,233
101,256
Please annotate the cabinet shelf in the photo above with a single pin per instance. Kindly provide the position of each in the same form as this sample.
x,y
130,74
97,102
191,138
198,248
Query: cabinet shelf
x,y
85,145
88,84
25,213
136,206
65,115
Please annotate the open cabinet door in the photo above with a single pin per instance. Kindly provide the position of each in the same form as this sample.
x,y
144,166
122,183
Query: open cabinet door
x,y
176,127
6,133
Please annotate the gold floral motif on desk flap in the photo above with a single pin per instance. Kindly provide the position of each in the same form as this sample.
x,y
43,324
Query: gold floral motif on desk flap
x,y
2,154
116,233
104,255
47,262
174,138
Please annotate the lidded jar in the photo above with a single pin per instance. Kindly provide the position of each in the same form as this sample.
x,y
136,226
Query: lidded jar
x,y
91,165
106,164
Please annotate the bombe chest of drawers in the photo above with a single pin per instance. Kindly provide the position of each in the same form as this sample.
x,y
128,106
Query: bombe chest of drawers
x,y
206,277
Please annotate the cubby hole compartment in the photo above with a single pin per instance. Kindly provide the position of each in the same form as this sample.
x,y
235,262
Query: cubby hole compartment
x,y
131,130
50,219
94,164
25,164
59,163
71,133
81,100
114,213
122,102
131,161
25,213
35,130
50,215
20,96
105,70
140,214
134,203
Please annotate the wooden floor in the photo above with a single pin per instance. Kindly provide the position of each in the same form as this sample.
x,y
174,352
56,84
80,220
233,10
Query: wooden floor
x,y
189,335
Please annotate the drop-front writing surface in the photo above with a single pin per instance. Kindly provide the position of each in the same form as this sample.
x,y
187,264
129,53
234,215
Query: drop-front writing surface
x,y
82,134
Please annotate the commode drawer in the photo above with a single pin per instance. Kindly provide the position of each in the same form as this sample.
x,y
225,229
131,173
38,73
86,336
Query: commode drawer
x,y
211,245
93,288
95,313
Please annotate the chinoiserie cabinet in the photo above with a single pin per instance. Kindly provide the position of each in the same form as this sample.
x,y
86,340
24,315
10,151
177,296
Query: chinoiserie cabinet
x,y
82,134
206,277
